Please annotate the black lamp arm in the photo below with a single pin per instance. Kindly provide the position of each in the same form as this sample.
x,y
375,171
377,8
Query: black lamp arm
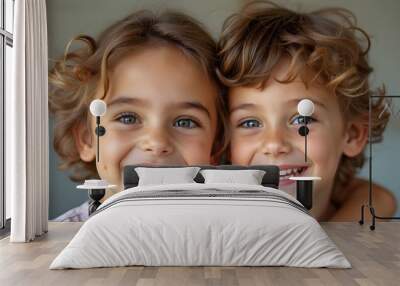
x,y
100,131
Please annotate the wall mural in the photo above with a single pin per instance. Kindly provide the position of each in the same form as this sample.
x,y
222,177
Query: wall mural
x,y
166,92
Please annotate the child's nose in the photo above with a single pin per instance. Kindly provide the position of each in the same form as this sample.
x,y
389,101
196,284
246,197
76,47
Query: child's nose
x,y
156,142
276,143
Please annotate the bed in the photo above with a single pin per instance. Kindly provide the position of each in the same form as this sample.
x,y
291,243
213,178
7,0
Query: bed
x,y
201,223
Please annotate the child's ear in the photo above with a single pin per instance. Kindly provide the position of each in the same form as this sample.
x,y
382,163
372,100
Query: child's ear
x,y
84,142
356,138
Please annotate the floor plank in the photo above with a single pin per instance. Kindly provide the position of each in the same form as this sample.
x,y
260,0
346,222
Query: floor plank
x,y
374,255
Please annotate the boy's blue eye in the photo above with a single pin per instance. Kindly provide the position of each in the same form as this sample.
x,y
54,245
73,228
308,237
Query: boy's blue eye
x,y
300,120
250,123
128,118
186,123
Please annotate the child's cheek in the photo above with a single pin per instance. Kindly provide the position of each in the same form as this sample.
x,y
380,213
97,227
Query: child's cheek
x,y
242,150
324,153
195,150
324,166
113,147
116,144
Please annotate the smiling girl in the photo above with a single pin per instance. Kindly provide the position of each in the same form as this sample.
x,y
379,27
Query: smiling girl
x,y
272,58
157,76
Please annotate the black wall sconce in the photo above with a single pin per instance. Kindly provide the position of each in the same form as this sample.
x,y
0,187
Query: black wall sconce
x,y
98,108
304,185
96,188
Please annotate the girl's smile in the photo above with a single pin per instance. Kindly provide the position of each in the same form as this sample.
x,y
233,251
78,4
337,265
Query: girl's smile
x,y
161,111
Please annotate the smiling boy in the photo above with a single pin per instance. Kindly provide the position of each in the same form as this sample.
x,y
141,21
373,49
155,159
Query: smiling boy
x,y
271,58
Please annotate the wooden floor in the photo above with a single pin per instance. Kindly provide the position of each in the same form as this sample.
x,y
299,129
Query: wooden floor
x,y
374,255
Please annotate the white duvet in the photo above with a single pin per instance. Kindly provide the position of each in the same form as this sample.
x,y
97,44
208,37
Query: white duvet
x,y
201,224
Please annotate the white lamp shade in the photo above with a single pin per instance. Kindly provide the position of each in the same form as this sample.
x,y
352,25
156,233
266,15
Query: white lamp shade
x,y
98,107
305,107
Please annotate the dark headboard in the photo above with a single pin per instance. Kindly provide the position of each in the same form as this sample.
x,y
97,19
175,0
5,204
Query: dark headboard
x,y
270,179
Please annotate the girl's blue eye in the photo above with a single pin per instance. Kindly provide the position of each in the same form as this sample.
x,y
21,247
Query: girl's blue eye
x,y
186,123
300,120
128,118
250,123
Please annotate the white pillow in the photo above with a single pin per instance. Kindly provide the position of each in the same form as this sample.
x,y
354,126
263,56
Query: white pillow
x,y
162,176
248,177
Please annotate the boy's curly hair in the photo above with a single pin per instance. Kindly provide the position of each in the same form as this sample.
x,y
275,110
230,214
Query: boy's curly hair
x,y
80,74
325,41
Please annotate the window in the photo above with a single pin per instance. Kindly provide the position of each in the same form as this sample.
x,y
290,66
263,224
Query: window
x,y
6,61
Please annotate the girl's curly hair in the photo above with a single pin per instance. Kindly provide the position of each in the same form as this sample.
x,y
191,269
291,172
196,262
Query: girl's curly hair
x,y
326,41
81,73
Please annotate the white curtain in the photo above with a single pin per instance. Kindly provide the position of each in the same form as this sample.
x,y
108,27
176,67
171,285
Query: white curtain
x,y
27,173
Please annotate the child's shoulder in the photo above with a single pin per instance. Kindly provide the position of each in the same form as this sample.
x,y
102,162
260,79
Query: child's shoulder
x,y
383,201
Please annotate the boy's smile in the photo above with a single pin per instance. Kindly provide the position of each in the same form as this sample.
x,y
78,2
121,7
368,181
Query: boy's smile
x,y
287,171
271,55
265,124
